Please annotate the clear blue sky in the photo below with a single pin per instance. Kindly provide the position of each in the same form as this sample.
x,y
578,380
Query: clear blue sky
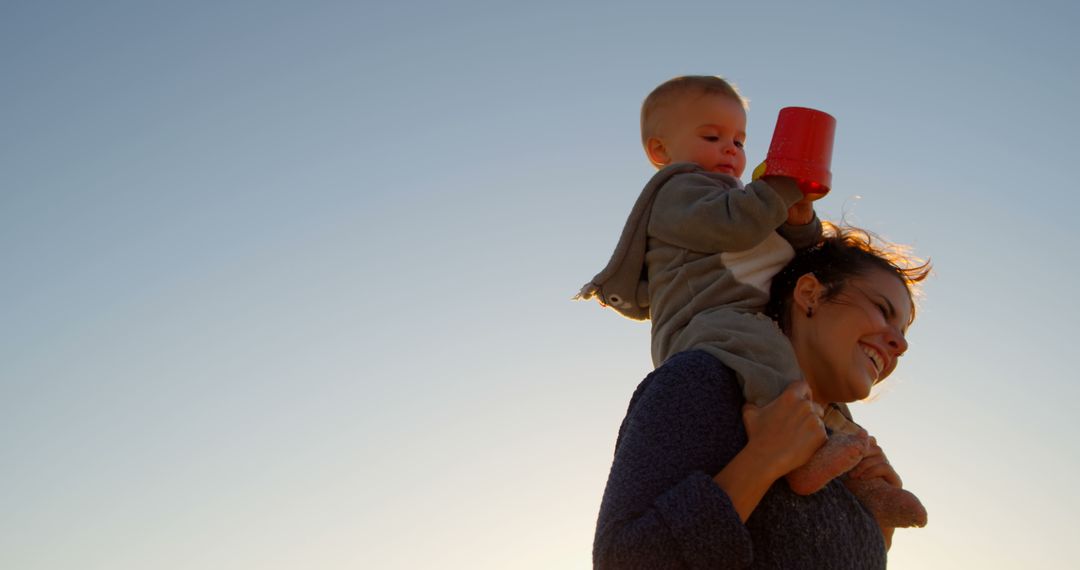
x,y
287,284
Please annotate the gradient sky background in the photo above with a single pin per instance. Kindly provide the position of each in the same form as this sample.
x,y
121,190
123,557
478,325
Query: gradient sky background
x,y
286,285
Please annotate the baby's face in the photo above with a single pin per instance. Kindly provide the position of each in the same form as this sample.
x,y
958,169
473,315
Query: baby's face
x,y
708,130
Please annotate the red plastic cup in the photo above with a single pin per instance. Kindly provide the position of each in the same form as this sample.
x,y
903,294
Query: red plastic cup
x,y
801,148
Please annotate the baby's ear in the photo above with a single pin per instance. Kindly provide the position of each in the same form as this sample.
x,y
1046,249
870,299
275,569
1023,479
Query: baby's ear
x,y
657,152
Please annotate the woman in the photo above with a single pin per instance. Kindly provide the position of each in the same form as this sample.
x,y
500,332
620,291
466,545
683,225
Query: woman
x,y
693,462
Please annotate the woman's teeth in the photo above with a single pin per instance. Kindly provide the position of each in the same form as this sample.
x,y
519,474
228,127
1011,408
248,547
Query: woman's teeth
x,y
875,357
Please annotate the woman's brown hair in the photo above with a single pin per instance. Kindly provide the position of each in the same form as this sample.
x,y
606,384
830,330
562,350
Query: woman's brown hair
x,y
843,253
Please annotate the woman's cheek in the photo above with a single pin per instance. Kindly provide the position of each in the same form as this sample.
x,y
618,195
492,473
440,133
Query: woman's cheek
x,y
887,371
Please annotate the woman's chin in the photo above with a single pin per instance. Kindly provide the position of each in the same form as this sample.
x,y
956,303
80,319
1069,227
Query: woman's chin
x,y
860,390
864,390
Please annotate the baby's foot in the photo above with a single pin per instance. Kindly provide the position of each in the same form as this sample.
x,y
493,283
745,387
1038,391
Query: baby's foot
x,y
891,507
840,453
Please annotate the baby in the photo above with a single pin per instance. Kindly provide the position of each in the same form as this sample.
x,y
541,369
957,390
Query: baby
x,y
699,251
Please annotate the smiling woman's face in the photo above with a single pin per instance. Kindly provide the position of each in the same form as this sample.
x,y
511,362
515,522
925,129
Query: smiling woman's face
x,y
851,341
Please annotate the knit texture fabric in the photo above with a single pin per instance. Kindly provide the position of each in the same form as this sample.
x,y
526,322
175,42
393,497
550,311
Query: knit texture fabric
x,y
662,509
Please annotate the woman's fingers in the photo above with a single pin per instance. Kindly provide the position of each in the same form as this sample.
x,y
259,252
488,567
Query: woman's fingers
x,y
788,429
806,432
798,390
885,472
875,464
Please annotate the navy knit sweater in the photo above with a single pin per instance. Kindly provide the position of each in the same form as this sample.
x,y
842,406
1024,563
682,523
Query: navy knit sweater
x,y
662,509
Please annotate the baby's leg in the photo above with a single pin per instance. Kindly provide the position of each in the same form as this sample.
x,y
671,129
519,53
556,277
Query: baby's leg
x,y
891,507
765,364
840,453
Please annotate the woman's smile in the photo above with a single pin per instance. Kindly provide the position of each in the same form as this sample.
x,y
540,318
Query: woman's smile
x,y
853,338
876,359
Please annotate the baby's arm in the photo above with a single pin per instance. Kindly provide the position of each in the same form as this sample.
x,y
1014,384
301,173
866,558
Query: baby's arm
x,y
803,228
702,213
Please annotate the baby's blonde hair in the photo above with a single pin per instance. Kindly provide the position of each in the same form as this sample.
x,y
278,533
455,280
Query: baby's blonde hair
x,y
672,90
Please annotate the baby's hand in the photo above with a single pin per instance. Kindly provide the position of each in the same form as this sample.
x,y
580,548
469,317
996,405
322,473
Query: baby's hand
x,y
801,213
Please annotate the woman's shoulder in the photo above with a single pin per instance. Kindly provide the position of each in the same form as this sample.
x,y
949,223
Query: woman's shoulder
x,y
695,366
694,379
691,402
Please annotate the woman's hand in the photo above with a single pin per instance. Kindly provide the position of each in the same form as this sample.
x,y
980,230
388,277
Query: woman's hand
x,y
875,464
787,431
782,436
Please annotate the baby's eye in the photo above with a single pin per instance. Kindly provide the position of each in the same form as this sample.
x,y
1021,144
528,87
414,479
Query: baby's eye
x,y
739,144
710,138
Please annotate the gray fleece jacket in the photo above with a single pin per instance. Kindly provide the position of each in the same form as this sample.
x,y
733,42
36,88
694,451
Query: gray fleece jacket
x,y
696,257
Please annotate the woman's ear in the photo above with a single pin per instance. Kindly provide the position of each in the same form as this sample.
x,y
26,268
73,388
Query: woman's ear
x,y
657,152
807,294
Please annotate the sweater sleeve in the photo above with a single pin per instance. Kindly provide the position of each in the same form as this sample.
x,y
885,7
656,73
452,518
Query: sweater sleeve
x,y
701,212
802,236
661,507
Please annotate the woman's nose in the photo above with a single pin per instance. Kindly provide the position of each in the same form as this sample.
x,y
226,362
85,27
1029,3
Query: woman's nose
x,y
897,342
